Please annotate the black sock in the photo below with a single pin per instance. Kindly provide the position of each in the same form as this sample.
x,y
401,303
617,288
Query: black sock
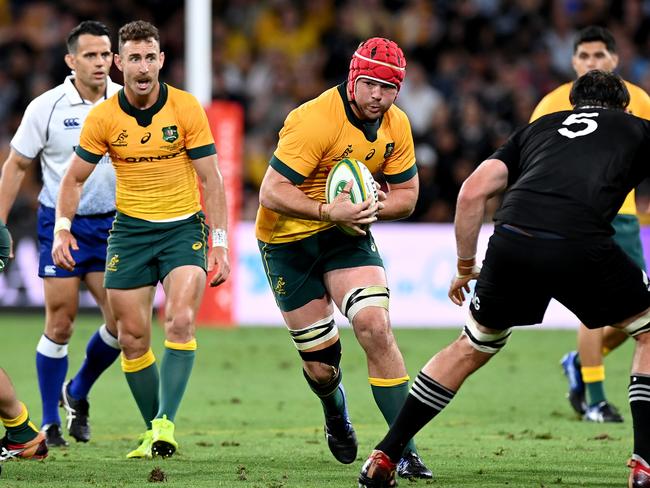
x,y
425,400
639,395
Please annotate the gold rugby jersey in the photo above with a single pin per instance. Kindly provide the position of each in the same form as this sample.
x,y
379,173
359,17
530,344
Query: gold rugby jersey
x,y
316,136
558,100
152,151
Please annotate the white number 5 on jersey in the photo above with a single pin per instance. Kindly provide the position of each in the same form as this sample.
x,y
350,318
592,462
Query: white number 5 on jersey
x,y
583,118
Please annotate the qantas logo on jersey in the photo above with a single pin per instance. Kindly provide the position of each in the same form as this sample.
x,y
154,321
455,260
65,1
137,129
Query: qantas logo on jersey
x,y
150,159
71,123
120,140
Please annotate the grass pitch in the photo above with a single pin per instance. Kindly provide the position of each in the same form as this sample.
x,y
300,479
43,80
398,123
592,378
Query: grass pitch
x,y
248,419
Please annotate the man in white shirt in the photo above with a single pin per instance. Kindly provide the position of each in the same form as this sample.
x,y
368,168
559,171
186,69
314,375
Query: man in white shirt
x,y
50,131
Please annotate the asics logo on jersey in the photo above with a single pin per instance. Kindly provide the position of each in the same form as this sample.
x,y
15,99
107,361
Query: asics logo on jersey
x,y
370,154
120,140
71,123
145,138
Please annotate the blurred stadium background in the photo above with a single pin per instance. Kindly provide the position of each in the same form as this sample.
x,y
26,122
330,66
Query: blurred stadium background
x,y
476,69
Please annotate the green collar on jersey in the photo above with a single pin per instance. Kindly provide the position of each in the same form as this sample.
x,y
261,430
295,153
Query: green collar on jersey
x,y
143,117
368,128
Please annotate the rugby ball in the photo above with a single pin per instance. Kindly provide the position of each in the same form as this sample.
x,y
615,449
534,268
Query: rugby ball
x,y
363,185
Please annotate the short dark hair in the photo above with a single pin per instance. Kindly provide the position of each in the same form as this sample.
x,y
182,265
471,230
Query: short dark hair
x,y
595,33
138,30
92,27
601,89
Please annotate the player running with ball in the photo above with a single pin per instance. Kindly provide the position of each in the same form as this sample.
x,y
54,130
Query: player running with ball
x,y
311,265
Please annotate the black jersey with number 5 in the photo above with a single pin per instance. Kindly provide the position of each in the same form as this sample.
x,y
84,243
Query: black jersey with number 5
x,y
569,172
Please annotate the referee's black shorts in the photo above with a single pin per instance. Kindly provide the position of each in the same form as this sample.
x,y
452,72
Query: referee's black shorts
x,y
594,279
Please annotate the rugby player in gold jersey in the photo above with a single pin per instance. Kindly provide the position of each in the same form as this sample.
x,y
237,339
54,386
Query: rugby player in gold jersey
x,y
159,140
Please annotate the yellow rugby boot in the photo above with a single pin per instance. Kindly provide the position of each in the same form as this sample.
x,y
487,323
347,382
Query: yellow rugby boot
x,y
163,442
144,449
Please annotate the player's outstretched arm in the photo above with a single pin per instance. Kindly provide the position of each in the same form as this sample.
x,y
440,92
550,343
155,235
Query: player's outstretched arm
x,y
490,178
66,206
214,197
13,174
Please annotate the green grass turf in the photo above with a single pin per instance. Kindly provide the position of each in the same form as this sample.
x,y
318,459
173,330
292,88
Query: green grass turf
x,y
249,420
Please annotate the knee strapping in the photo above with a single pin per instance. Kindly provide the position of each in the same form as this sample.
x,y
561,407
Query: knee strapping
x,y
330,355
324,389
315,334
488,343
638,326
358,298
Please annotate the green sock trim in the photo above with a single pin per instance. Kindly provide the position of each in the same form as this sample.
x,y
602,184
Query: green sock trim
x,y
175,371
22,433
595,392
144,385
390,399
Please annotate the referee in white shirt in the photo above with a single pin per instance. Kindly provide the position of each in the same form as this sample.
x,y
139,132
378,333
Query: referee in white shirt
x,y
49,131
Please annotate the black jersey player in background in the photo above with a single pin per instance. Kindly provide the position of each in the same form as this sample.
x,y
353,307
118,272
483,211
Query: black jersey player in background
x,y
564,177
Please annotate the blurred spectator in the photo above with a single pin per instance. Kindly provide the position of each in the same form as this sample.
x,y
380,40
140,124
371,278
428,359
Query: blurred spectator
x,y
282,27
476,68
559,40
419,99
430,207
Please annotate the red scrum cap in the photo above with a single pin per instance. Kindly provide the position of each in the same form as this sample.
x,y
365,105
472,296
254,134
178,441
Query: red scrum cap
x,y
378,59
